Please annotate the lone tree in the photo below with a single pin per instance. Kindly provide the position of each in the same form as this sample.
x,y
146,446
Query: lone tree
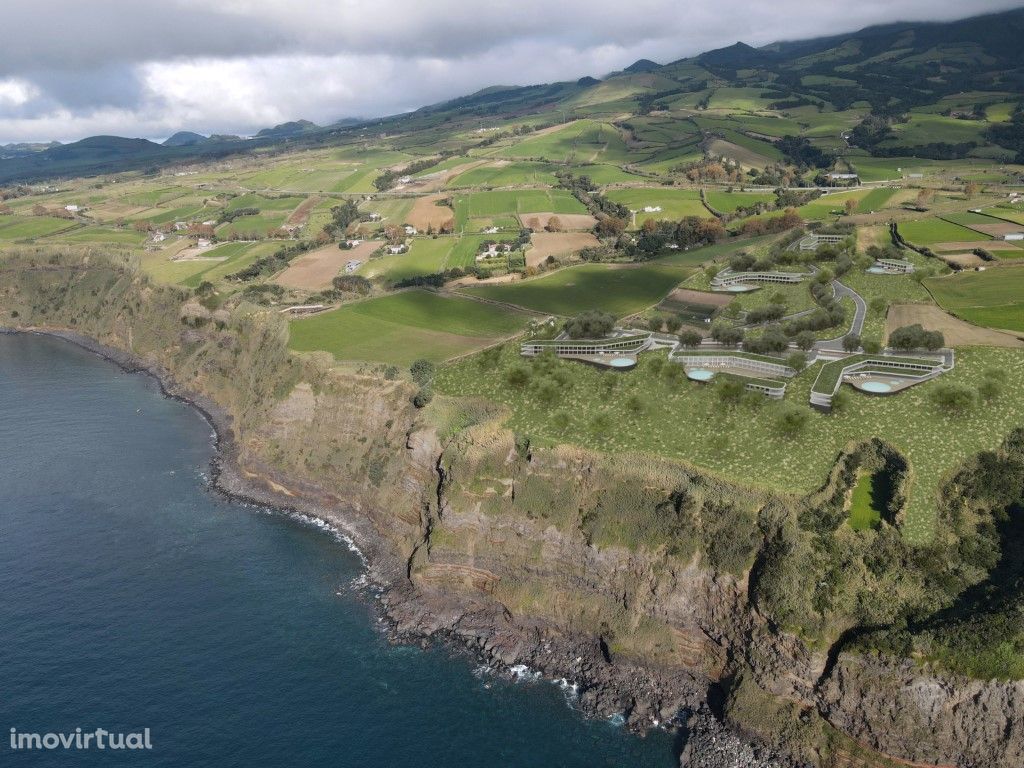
x,y
422,372
730,392
954,399
851,342
726,334
690,338
592,324
805,340
791,420
914,336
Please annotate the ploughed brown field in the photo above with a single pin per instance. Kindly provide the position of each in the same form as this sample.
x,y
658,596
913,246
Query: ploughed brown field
x,y
544,244
314,271
967,245
956,331
301,214
427,213
566,221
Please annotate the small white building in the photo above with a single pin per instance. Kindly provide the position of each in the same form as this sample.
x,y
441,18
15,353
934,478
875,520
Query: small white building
x,y
375,217
396,249
491,231
1014,236
410,230
179,226
652,209
71,208
202,242
842,176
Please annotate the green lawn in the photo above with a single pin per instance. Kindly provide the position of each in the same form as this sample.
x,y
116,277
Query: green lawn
x,y
620,290
403,327
685,421
993,298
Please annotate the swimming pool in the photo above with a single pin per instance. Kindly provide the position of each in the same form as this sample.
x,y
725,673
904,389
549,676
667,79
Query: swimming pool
x,y
877,271
700,374
622,363
741,288
877,387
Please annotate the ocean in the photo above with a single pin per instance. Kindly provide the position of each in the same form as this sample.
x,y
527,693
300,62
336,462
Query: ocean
x,y
134,597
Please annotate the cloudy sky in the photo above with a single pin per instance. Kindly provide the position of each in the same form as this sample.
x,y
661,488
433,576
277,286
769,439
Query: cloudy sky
x,y
147,68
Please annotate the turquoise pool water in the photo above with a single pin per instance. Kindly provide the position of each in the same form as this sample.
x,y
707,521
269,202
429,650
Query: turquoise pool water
x,y
878,387
700,374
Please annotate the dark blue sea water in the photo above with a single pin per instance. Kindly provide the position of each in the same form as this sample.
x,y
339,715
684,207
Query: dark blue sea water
x,y
133,597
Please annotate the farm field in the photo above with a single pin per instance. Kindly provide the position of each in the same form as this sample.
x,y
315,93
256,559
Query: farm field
x,y
933,231
27,228
404,327
681,419
582,141
315,270
214,265
993,298
503,173
674,203
728,202
425,257
618,289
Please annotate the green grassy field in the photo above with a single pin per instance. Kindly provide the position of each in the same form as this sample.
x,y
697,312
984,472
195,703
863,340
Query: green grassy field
x,y
993,298
675,203
647,412
505,175
933,230
863,513
727,202
620,290
403,327
426,256
582,141
26,228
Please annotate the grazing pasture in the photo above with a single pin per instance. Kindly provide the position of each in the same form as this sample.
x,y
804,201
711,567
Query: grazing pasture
x,y
618,289
406,326
993,298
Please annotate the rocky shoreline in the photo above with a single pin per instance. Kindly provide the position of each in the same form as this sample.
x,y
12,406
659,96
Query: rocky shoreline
x,y
644,697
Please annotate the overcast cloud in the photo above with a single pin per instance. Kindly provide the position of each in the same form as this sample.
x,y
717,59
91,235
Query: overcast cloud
x,y
70,69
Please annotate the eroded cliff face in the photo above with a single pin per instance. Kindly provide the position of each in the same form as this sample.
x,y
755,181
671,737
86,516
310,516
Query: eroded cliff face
x,y
634,577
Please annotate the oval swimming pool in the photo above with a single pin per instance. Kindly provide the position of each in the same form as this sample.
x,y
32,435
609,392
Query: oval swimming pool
x,y
878,387
622,363
700,374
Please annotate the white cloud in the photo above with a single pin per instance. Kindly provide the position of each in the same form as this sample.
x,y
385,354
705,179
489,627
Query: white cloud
x,y
15,92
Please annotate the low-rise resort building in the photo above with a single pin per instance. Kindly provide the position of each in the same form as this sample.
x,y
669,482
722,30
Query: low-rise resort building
x,y
813,241
891,267
741,282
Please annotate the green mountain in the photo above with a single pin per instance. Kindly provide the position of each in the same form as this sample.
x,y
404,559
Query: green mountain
x,y
287,130
184,139
932,90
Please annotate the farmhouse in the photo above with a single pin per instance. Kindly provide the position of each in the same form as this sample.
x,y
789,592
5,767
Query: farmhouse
x,y
396,249
410,230
1014,236
71,208
843,176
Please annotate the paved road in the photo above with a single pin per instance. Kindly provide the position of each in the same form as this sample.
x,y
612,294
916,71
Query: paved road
x,y
857,327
